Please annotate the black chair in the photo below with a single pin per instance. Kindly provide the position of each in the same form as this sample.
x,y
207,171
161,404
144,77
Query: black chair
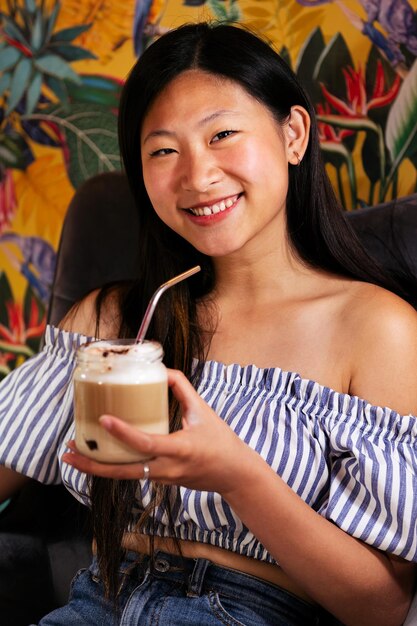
x,y
98,244
389,233
45,537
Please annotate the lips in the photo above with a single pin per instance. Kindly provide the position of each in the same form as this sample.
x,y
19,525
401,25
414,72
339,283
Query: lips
x,y
212,209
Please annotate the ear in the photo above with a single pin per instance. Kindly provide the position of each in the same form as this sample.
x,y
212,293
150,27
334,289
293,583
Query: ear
x,y
296,132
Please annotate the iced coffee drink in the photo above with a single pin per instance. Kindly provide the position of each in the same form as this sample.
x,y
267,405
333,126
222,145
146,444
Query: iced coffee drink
x,y
124,379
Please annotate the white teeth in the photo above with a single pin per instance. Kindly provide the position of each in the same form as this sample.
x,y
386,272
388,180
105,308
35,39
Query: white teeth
x,y
215,208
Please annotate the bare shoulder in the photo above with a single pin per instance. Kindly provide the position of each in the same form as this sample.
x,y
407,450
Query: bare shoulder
x,y
83,317
382,331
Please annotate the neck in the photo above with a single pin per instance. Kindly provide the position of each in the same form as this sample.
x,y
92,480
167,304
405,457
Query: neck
x,y
257,276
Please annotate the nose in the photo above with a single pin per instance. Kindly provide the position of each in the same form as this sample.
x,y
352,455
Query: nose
x,y
199,171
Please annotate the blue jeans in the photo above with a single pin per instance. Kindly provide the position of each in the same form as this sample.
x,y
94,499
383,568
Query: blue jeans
x,y
181,592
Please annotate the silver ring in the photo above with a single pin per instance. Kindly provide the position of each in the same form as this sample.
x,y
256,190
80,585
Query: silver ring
x,y
146,471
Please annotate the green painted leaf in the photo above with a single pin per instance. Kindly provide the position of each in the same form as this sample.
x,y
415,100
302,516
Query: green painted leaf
x,y
350,123
96,89
306,62
9,57
19,83
4,371
12,151
30,6
13,31
334,153
5,296
104,83
219,10
68,34
401,128
52,20
26,21
378,114
5,81
59,88
20,348
7,157
55,66
33,92
370,161
37,33
91,137
335,55
70,52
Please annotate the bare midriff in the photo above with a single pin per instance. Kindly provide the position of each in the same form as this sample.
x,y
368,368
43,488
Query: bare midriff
x,y
219,556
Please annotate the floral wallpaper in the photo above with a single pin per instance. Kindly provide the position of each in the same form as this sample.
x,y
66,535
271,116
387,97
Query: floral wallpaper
x,y
62,65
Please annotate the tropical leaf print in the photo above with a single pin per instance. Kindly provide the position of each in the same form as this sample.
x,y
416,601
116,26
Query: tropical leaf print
x,y
401,129
281,21
21,327
111,23
34,54
90,135
43,193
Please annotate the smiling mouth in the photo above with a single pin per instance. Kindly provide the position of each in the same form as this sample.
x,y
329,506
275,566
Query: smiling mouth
x,y
212,209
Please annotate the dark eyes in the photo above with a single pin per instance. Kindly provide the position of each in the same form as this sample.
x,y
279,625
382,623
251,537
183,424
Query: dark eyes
x,y
217,137
162,152
222,135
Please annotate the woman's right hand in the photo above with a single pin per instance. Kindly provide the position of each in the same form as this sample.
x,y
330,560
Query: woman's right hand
x,y
205,455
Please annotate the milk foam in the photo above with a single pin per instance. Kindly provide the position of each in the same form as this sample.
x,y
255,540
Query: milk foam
x,y
122,364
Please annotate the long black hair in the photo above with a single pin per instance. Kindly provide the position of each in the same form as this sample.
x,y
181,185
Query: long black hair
x,y
318,231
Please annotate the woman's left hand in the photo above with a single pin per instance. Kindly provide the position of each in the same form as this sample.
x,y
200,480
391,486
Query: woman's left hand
x,y
205,455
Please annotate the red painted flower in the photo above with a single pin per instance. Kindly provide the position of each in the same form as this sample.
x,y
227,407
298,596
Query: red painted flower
x,y
328,133
358,104
16,333
8,202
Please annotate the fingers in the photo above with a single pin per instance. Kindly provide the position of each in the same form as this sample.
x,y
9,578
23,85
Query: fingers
x,y
159,470
147,444
182,388
128,471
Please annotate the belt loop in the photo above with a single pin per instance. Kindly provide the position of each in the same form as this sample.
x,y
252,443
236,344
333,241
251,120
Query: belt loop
x,y
196,580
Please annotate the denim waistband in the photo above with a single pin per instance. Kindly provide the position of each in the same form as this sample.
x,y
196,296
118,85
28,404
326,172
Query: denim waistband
x,y
197,574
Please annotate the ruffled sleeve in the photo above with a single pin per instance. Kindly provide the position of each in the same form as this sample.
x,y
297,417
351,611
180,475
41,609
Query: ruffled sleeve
x,y
36,410
373,477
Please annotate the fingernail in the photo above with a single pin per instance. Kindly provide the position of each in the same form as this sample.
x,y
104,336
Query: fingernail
x,y
105,421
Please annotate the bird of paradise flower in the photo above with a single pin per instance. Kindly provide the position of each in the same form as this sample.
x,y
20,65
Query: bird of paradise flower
x,y
352,116
21,328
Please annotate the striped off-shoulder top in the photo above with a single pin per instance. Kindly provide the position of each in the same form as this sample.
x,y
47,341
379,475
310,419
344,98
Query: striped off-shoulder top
x,y
352,462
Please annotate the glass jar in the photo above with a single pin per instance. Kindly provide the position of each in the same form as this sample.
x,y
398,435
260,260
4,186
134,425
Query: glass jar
x,y
121,378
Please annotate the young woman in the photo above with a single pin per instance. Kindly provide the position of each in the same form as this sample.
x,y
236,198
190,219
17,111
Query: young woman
x,y
286,489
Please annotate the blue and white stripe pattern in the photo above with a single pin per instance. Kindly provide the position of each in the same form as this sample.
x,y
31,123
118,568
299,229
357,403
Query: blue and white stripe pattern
x,y
354,463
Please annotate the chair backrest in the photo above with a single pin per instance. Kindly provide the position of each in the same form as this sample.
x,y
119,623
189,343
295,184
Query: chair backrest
x,y
99,242
389,233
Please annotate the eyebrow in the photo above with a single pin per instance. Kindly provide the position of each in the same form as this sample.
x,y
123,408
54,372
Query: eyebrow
x,y
161,132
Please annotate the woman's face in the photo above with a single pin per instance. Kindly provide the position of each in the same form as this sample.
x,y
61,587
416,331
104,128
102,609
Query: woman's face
x,y
215,164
